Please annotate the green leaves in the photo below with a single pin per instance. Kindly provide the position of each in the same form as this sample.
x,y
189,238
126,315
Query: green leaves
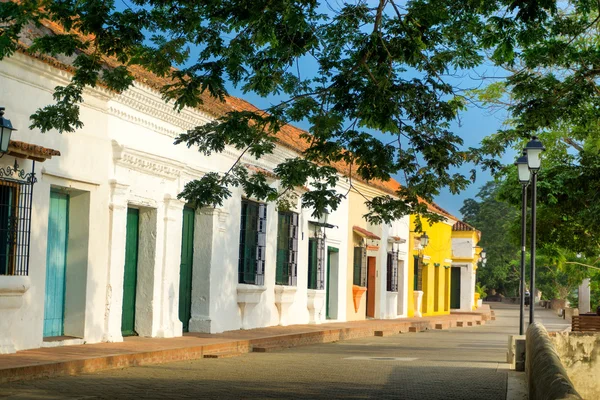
x,y
377,100
62,116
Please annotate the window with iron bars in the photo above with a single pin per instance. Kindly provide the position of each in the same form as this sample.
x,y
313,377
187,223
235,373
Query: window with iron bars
x,y
316,262
392,271
360,266
287,249
253,239
15,220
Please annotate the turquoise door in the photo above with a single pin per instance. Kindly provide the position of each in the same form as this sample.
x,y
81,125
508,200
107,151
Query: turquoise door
x,y
56,264
185,268
130,273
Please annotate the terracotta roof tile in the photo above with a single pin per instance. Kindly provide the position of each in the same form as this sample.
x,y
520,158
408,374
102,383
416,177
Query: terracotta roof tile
x,y
31,151
462,226
365,233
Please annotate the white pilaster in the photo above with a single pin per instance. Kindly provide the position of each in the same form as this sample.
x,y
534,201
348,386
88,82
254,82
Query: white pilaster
x,y
170,325
116,263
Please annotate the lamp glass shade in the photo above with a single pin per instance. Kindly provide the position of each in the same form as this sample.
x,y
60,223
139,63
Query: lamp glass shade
x,y
483,254
424,240
324,217
534,150
4,138
524,172
533,159
6,129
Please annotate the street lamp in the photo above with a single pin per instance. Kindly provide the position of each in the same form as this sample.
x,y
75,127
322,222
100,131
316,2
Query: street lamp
x,y
534,150
483,254
524,177
6,129
424,239
323,217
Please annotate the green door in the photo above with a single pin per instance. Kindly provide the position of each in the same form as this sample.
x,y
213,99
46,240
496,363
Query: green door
x,y
185,268
130,274
56,264
455,288
330,252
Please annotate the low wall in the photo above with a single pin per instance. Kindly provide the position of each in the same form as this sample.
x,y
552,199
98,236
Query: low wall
x,y
580,355
547,378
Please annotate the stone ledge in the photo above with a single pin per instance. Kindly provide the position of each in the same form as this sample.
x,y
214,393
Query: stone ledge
x,y
546,376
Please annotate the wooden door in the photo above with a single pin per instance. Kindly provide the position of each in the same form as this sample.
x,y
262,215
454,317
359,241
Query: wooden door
x,y
130,273
185,268
56,264
455,288
371,275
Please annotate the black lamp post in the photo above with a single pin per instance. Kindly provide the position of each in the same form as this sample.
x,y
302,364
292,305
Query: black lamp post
x,y
524,177
534,150
6,129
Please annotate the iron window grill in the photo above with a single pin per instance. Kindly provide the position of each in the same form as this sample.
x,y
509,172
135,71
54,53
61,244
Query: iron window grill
x,y
360,266
287,249
316,262
16,194
392,271
253,238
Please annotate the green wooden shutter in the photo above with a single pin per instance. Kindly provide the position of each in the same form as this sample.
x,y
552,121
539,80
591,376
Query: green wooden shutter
x,y
185,269
455,288
130,273
282,267
312,263
416,273
357,266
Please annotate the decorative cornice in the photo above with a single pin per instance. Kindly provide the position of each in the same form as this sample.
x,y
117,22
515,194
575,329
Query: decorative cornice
x,y
145,100
146,163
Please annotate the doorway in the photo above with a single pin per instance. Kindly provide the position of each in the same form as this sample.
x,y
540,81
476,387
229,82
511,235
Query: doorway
x,y
56,264
130,272
455,288
371,277
185,269
331,293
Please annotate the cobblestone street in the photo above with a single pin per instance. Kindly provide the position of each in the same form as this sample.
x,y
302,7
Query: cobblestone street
x,y
460,363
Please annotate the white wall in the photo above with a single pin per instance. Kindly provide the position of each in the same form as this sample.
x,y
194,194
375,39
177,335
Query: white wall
x,y
465,248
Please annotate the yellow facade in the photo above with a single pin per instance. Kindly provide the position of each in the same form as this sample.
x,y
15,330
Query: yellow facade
x,y
436,261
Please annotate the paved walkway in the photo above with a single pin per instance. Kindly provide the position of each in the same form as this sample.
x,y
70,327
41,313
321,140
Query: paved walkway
x,y
66,360
458,363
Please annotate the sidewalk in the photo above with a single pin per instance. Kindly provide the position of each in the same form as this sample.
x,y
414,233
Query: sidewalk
x,y
134,351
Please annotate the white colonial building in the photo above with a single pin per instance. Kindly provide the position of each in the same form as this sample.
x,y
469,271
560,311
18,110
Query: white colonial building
x,y
113,252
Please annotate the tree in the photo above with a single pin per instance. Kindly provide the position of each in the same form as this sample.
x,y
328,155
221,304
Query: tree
x,y
495,219
380,67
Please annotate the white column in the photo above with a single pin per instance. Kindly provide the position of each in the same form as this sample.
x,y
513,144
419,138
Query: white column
x,y
170,325
584,296
116,262
205,229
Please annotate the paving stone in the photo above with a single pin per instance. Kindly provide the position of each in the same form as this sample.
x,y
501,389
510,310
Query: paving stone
x,y
431,365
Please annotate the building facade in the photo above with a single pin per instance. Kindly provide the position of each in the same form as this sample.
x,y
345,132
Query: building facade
x,y
114,252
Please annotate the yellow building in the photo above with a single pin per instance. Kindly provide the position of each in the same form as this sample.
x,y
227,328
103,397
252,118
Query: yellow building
x,y
429,270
